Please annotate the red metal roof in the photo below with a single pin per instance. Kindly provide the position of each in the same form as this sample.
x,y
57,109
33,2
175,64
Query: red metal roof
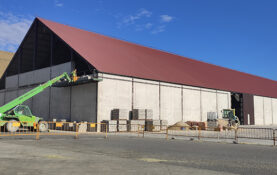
x,y
114,56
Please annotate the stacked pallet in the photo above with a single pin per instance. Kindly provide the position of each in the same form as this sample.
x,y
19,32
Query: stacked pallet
x,y
121,125
136,125
119,114
148,114
164,124
110,126
118,122
142,119
82,127
153,125
138,114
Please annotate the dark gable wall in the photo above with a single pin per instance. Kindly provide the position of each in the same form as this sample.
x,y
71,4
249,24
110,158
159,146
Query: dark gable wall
x,y
44,55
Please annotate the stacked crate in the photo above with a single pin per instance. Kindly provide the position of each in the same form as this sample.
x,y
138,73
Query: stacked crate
x,y
138,120
164,124
138,114
121,116
142,119
83,127
153,125
110,124
148,114
121,125
135,125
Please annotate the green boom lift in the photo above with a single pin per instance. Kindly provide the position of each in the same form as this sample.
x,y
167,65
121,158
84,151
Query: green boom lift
x,y
13,114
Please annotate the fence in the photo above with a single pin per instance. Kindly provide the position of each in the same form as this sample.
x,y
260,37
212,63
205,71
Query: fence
x,y
240,135
16,128
254,135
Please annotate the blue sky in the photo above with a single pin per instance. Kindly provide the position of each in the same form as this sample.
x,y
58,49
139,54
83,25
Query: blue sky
x,y
238,34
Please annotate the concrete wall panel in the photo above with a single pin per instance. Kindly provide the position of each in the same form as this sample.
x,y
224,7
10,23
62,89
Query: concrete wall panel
x,y
32,77
191,105
10,95
171,104
61,68
222,102
41,75
258,110
60,103
274,110
208,103
41,104
28,102
12,82
83,102
146,96
2,98
113,94
267,111
26,78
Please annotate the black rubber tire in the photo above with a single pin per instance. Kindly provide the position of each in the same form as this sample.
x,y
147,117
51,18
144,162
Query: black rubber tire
x,y
43,126
10,126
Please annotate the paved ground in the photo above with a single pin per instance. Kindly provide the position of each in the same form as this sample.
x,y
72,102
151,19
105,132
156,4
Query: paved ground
x,y
131,155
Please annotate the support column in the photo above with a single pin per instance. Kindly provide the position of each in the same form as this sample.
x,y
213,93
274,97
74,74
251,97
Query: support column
x,y
216,100
182,103
159,100
132,105
201,117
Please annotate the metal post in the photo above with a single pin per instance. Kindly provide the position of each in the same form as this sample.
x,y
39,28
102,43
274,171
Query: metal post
x,y
199,133
138,130
274,137
166,133
37,134
106,130
236,135
77,130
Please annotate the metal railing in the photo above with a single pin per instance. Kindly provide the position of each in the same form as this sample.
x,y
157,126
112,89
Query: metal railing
x,y
254,135
239,135
16,128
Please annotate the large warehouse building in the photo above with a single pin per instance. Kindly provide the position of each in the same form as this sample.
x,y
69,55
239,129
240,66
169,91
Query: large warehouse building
x,y
132,77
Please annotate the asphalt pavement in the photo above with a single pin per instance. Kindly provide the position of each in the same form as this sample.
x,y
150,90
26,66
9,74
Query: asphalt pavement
x,y
92,154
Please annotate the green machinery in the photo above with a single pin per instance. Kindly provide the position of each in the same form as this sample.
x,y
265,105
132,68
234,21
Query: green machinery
x,y
14,114
230,115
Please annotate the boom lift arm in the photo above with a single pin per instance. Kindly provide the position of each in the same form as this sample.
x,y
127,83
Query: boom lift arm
x,y
7,107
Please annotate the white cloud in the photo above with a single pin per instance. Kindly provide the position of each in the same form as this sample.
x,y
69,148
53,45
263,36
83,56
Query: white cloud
x,y
140,27
131,19
144,21
58,3
12,30
148,25
166,18
158,29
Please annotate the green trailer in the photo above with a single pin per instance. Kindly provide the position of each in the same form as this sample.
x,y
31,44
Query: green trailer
x,y
14,115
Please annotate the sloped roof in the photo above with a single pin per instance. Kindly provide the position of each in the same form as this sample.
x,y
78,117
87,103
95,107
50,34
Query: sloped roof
x,y
5,58
114,56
